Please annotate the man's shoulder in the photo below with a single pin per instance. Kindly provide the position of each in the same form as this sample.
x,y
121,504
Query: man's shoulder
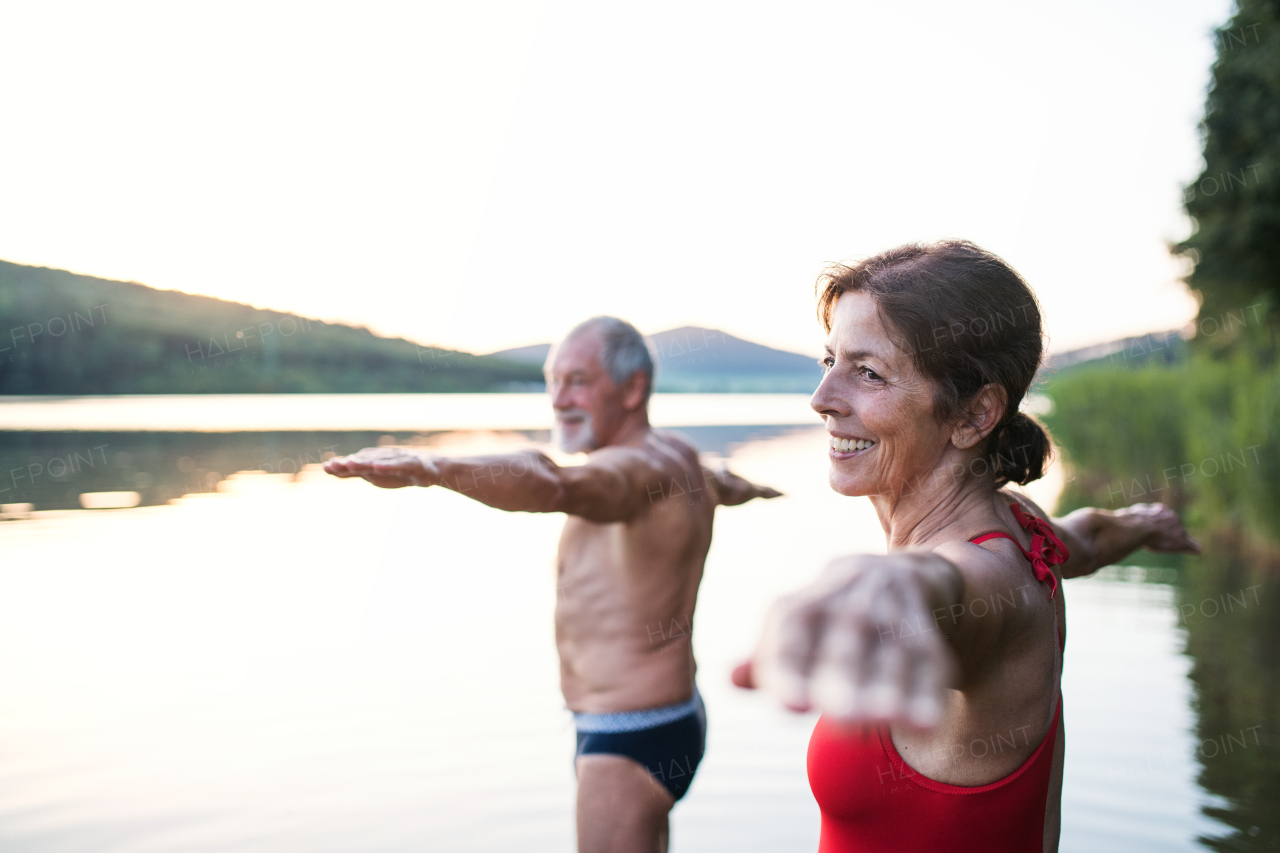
x,y
677,442
661,447
685,485
657,457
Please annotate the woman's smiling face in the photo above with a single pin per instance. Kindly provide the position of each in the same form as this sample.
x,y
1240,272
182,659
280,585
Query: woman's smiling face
x,y
878,407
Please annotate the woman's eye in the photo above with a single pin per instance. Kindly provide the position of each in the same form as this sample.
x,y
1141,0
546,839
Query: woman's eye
x,y
870,374
828,363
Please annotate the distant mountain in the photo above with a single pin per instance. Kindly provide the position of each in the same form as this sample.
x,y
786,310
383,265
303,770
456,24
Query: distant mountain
x,y
532,354
1156,347
691,358
62,333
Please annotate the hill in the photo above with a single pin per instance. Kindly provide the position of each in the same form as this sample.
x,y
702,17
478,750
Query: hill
x,y
695,359
62,333
1155,348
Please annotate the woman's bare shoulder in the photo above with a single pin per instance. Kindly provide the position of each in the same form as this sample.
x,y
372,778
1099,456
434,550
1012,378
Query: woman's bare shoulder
x,y
1025,502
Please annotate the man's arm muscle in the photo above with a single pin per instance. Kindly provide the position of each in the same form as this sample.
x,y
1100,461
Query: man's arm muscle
x,y
613,485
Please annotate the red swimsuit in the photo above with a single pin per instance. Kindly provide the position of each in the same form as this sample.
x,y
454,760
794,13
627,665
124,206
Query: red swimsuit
x,y
871,800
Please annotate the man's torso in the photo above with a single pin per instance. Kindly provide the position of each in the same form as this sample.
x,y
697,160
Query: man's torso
x,y
626,592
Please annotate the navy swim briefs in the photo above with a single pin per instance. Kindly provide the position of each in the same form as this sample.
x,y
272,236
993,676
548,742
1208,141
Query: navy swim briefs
x,y
667,741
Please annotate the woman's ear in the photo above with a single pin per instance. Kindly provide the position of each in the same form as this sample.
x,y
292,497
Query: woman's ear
x,y
981,415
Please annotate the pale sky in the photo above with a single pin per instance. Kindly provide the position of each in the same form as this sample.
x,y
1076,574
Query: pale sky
x,y
482,175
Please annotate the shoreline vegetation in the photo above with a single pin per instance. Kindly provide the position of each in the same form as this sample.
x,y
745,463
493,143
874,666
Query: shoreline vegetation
x,y
1198,434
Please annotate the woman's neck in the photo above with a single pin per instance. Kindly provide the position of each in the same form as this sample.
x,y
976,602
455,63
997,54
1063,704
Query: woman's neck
x,y
922,513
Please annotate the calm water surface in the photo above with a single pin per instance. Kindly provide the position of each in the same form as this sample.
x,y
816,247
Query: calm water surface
x,y
288,662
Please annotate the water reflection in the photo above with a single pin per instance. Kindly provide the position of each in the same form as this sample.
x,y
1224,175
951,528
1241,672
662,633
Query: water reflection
x,y
51,470
282,661
1231,612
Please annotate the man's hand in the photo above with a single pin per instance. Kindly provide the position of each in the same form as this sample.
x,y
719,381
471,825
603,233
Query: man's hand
x,y
735,490
387,467
861,642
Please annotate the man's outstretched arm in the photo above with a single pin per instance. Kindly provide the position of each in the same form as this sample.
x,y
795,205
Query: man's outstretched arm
x,y
524,481
614,485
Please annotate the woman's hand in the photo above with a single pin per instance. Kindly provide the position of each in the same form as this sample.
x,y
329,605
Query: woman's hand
x,y
1161,529
861,642
387,467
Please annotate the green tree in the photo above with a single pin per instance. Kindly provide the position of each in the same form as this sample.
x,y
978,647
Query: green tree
x,y
1235,202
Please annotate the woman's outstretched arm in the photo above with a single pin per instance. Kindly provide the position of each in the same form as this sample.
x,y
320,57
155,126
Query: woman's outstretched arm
x,y
862,640
1100,537
883,636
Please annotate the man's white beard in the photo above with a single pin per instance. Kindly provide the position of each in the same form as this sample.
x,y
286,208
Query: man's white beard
x,y
584,441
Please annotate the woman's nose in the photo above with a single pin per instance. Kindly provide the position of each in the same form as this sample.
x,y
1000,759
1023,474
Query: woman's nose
x,y
826,400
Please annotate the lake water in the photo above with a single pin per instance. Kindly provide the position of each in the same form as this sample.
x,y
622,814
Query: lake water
x,y
278,661
364,412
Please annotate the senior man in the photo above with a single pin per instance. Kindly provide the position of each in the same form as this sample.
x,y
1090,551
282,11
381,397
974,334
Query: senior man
x,y
630,561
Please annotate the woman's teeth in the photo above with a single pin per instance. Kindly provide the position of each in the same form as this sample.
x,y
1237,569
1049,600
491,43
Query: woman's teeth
x,y
845,445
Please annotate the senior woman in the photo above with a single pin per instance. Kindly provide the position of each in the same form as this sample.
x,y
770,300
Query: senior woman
x,y
938,666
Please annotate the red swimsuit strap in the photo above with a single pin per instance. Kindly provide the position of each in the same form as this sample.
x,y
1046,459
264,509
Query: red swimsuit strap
x,y
997,534
1046,548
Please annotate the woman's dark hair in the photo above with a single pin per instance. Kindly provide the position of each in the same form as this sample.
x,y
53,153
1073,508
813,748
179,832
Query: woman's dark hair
x,y
967,320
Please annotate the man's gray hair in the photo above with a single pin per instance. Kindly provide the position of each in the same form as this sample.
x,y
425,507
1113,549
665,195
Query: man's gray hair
x,y
624,350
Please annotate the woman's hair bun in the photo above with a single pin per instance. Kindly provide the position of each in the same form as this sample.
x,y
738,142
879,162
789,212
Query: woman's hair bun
x,y
1018,450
